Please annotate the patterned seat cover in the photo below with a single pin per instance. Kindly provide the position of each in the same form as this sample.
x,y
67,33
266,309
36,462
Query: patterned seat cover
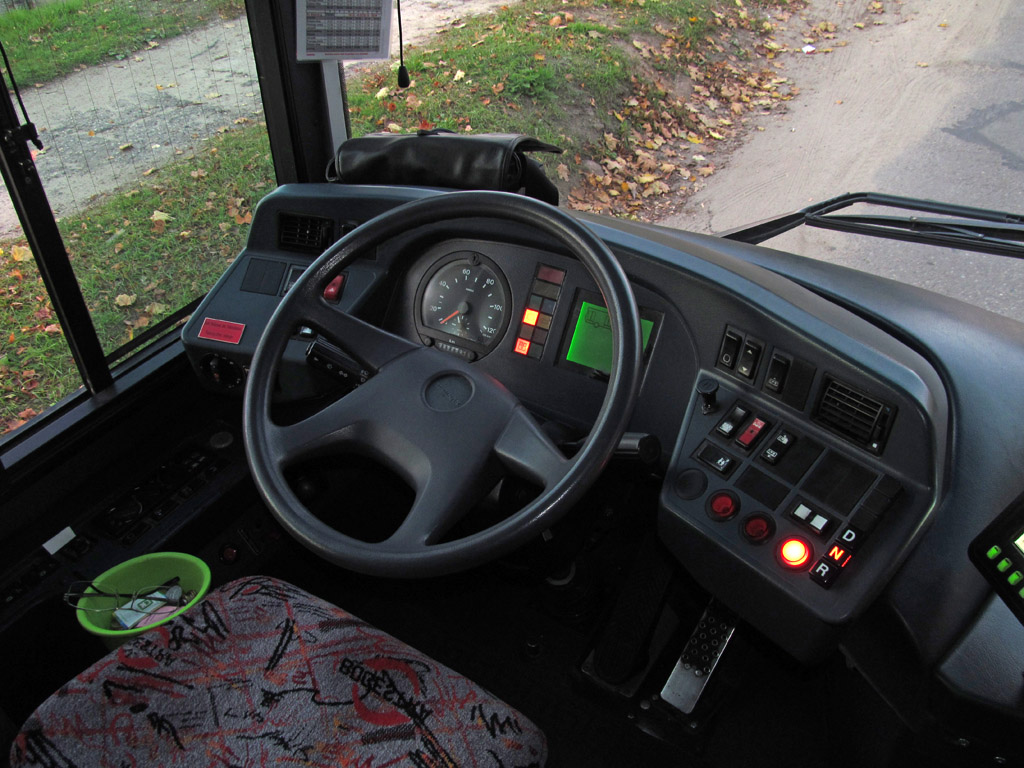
x,y
262,673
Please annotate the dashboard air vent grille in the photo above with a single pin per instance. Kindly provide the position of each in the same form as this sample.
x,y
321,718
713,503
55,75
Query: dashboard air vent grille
x,y
310,234
860,418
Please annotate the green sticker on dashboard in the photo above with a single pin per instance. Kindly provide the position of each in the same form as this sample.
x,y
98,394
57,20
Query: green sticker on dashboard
x,y
591,343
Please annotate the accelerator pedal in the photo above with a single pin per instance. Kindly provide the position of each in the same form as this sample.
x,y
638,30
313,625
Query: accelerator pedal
x,y
699,658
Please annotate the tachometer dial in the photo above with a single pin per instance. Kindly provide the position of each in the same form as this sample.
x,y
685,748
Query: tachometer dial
x,y
466,297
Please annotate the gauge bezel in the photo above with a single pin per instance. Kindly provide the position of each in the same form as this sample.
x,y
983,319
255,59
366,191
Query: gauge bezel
x,y
475,258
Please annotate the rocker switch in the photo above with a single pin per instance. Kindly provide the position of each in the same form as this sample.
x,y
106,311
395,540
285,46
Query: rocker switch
x,y
749,357
778,369
751,434
729,351
731,424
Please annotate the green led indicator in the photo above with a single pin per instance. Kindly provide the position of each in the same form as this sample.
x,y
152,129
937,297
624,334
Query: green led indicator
x,y
1004,565
993,553
591,344
1015,578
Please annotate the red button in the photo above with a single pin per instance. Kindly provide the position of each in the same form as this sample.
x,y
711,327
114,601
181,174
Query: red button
x,y
795,553
758,528
723,505
750,434
333,290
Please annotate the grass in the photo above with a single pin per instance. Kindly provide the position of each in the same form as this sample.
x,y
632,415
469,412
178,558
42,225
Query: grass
x,y
138,256
511,72
561,73
50,40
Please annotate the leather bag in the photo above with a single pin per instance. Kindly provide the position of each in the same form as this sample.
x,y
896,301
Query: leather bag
x,y
440,158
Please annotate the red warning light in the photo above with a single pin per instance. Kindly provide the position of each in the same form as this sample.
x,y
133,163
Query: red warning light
x,y
794,553
530,316
723,505
522,346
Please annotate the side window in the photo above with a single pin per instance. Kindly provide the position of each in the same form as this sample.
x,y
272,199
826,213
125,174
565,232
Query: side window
x,y
154,153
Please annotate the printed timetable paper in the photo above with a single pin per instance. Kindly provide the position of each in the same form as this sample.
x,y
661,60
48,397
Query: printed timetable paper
x,y
343,29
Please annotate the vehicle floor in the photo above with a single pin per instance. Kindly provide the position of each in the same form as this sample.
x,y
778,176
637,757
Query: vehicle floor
x,y
496,625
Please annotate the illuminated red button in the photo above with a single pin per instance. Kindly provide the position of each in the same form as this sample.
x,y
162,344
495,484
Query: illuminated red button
x,y
522,347
758,528
530,316
751,433
794,553
333,290
723,505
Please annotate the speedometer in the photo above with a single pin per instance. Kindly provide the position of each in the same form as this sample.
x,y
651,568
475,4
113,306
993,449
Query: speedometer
x,y
464,301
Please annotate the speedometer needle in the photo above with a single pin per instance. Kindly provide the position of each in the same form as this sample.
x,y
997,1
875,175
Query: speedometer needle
x,y
453,314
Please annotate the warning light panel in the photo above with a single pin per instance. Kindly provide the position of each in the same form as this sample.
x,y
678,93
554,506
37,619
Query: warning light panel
x,y
522,347
530,316
795,553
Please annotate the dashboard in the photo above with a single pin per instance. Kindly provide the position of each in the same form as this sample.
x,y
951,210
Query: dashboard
x,y
832,441
803,447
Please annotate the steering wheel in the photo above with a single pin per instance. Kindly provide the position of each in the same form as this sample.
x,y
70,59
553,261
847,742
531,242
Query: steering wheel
x,y
438,422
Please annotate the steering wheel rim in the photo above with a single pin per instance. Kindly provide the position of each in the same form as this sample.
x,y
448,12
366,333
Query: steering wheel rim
x,y
424,388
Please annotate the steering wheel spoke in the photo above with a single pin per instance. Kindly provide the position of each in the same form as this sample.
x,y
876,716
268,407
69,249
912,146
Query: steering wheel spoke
x,y
332,426
442,503
526,451
371,346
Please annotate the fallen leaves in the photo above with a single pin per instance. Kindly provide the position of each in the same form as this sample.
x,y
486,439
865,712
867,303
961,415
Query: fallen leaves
x,y
655,156
160,219
236,210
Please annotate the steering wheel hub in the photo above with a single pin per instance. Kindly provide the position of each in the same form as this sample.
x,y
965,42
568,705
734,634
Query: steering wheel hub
x,y
448,392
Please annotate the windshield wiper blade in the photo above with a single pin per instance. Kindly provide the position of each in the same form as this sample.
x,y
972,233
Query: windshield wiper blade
x,y
962,227
1001,238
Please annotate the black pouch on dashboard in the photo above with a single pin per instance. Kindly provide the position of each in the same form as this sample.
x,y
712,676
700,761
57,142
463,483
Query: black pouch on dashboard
x,y
440,158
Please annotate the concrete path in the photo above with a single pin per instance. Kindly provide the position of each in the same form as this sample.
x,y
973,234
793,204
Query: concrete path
x,y
928,104
105,126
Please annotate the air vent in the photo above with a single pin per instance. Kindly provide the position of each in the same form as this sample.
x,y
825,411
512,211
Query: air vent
x,y
858,417
309,234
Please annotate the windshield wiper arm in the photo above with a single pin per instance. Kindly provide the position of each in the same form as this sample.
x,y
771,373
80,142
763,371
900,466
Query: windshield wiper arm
x,y
961,226
1002,238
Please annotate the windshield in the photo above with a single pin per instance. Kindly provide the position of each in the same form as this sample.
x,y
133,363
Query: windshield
x,y
696,114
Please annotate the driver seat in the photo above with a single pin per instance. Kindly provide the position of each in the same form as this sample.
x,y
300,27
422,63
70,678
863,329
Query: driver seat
x,y
262,673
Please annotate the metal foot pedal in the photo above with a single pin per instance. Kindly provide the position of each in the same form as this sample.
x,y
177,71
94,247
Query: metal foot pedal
x,y
700,655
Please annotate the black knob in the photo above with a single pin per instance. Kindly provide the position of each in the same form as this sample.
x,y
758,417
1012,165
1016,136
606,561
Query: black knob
x,y
708,391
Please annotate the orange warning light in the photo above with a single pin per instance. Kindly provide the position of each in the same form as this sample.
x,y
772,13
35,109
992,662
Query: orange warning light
x,y
530,316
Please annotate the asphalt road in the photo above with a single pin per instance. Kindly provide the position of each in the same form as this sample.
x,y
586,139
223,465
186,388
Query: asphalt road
x,y
928,104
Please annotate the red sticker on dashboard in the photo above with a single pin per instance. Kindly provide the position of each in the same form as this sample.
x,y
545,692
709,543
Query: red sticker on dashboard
x,y
221,330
